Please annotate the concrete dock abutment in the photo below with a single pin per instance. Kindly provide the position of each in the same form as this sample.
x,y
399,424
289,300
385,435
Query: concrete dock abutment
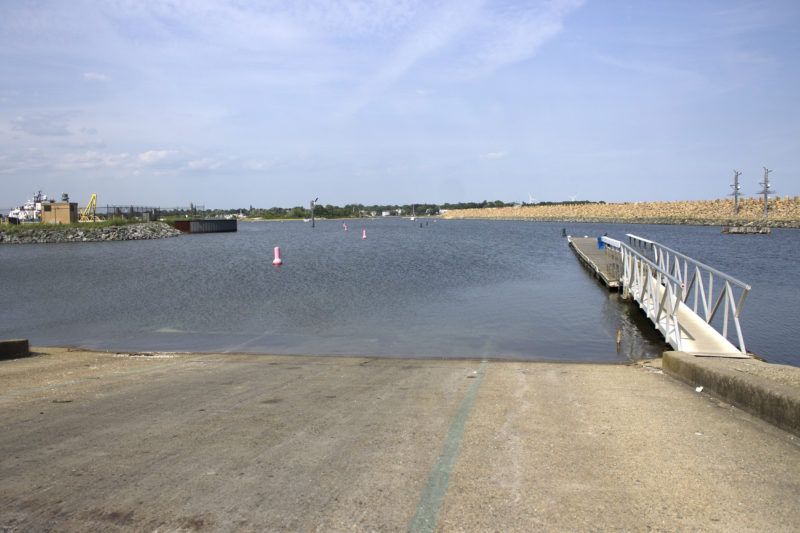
x,y
765,390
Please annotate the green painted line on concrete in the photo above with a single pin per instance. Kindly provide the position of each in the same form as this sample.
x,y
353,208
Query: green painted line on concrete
x,y
430,502
79,381
40,389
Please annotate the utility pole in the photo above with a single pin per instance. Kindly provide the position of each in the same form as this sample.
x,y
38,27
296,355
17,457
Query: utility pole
x,y
766,192
313,203
735,192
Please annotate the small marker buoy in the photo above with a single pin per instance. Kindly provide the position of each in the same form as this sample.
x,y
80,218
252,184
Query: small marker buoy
x,y
345,226
363,234
277,260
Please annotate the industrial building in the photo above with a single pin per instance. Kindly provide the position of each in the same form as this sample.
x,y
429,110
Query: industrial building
x,y
59,212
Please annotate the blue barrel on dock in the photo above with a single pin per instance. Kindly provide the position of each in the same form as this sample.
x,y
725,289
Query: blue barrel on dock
x,y
600,243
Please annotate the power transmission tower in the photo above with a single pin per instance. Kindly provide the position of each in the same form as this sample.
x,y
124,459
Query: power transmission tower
x,y
735,185
766,191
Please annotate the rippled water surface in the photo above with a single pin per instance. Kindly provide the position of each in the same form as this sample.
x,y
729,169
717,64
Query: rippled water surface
x,y
433,288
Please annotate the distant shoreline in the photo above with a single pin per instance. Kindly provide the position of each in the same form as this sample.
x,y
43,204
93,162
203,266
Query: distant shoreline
x,y
771,223
783,213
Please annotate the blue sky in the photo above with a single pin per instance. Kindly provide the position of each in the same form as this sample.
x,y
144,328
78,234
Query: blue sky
x,y
231,104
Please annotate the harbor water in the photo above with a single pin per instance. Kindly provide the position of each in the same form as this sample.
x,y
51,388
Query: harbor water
x,y
423,288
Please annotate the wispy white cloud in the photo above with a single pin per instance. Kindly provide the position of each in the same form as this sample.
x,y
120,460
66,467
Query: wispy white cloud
x,y
494,155
477,39
152,157
92,159
258,164
205,163
364,45
95,76
43,124
751,57
748,17
8,95
437,28
27,160
516,33
658,68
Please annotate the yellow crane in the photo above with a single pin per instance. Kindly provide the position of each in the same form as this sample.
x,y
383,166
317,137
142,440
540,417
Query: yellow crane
x,y
88,213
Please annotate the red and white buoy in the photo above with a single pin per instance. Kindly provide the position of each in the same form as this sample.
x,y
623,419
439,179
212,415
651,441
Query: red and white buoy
x,y
277,260
363,234
345,226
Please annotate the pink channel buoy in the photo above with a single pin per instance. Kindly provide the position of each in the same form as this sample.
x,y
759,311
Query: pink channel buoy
x,y
363,234
345,226
277,260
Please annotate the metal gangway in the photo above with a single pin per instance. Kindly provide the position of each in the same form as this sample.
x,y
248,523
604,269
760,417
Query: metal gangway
x,y
682,296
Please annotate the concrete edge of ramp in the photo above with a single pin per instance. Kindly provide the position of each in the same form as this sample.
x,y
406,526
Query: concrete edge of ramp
x,y
768,391
14,348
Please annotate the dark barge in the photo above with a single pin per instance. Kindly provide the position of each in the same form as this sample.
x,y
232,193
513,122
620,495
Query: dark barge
x,y
206,226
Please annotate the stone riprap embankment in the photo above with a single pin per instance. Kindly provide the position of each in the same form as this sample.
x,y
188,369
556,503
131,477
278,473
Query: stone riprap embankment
x,y
782,213
128,232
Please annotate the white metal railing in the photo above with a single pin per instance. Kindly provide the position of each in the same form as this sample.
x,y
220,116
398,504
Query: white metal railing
x,y
657,292
681,275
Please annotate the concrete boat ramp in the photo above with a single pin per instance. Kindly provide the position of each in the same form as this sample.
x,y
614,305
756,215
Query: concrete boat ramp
x,y
225,442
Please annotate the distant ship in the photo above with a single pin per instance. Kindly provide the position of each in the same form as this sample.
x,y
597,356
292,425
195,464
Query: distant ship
x,y
30,212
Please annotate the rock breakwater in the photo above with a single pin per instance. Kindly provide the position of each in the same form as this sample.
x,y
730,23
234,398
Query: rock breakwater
x,y
129,232
783,213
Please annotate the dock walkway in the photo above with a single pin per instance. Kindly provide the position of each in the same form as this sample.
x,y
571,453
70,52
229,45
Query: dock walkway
x,y
603,262
700,338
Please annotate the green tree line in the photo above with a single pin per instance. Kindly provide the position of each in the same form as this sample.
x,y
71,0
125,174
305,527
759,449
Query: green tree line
x,y
347,211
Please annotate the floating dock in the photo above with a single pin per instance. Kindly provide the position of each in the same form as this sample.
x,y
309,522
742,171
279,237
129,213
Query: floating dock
x,y
604,262
205,226
746,230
